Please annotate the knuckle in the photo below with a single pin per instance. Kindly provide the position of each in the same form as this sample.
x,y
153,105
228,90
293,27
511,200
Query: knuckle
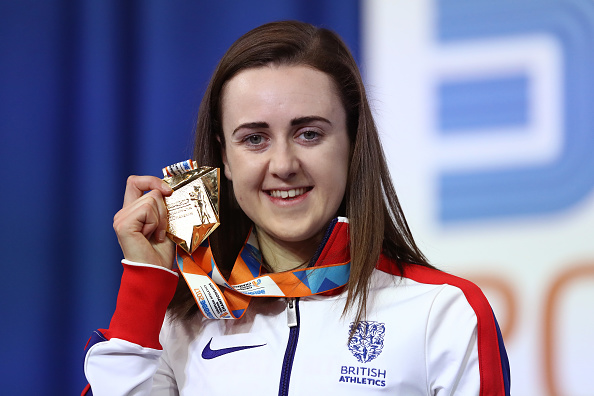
x,y
131,179
149,209
145,206
116,218
117,227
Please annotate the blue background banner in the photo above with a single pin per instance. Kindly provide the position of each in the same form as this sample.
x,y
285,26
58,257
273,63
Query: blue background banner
x,y
525,190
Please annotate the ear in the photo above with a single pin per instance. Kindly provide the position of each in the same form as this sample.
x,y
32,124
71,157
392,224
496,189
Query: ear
x,y
227,168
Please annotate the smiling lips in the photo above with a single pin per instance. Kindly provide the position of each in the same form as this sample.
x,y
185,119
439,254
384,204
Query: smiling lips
x,y
288,193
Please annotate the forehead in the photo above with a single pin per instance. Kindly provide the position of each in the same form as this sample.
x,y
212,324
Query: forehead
x,y
271,91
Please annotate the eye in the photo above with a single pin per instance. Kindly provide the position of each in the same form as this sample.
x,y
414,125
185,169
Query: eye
x,y
309,135
254,139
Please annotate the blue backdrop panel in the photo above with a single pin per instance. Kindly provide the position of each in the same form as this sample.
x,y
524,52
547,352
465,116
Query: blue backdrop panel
x,y
92,91
473,195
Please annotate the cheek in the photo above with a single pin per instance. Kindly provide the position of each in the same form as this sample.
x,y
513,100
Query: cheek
x,y
243,180
341,178
339,163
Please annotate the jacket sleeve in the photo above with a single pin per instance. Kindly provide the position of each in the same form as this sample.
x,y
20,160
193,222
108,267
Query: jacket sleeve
x,y
464,349
123,359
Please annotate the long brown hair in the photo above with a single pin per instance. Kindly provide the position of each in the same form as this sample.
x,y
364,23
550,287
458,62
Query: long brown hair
x,y
376,221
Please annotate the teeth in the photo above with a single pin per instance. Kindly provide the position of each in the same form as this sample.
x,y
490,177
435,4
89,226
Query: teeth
x,y
287,193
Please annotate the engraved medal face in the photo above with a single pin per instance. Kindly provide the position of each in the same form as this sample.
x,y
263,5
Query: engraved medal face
x,y
368,341
193,208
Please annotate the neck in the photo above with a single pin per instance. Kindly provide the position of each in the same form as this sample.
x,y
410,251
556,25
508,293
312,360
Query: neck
x,y
285,256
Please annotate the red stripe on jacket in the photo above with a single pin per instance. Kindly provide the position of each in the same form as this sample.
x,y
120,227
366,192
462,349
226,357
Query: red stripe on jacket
x,y
490,366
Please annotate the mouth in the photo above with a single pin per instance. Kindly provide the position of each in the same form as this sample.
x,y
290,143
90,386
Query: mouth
x,y
288,194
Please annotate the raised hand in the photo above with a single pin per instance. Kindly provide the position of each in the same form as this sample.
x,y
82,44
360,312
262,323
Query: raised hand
x,y
141,223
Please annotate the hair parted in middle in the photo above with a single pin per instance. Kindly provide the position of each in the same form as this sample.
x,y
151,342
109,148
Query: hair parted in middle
x,y
376,221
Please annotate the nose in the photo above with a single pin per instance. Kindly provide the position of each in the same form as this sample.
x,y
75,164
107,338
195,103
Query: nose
x,y
283,162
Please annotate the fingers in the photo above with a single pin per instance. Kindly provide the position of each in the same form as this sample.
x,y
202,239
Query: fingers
x,y
141,224
137,185
147,215
160,213
140,228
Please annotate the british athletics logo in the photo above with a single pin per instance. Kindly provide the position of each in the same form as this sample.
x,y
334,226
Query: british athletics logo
x,y
366,344
368,340
363,376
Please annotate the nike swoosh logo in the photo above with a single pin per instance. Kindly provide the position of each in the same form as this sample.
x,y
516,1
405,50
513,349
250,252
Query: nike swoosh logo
x,y
208,353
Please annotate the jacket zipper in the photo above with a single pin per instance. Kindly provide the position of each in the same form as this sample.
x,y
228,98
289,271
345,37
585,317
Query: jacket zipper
x,y
293,323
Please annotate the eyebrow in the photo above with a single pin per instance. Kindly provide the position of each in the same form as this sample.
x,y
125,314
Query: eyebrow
x,y
308,119
252,125
294,122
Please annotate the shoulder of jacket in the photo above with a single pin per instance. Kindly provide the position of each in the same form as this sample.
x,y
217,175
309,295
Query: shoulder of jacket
x,y
432,276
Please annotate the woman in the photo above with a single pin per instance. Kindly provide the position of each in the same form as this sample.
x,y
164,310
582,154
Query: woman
x,y
286,118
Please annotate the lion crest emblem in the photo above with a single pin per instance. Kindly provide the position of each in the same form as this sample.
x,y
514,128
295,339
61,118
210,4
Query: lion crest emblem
x,y
368,340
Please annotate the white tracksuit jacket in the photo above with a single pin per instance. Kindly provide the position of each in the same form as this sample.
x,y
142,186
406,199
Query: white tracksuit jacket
x,y
426,333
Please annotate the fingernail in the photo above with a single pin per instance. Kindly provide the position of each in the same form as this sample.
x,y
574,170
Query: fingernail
x,y
167,187
162,236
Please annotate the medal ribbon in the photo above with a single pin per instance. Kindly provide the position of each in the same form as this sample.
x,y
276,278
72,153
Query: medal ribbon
x,y
219,298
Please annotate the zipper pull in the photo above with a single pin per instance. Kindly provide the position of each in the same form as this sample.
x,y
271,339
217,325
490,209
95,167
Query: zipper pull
x,y
291,312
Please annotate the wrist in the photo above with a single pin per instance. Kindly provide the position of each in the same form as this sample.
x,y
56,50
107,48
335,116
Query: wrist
x,y
145,293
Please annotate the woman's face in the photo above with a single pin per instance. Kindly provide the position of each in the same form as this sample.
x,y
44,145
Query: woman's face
x,y
286,149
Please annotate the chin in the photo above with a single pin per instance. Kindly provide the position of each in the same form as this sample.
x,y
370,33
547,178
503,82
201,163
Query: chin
x,y
296,235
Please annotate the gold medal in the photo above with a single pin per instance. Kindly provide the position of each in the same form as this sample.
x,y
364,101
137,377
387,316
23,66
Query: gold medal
x,y
193,208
